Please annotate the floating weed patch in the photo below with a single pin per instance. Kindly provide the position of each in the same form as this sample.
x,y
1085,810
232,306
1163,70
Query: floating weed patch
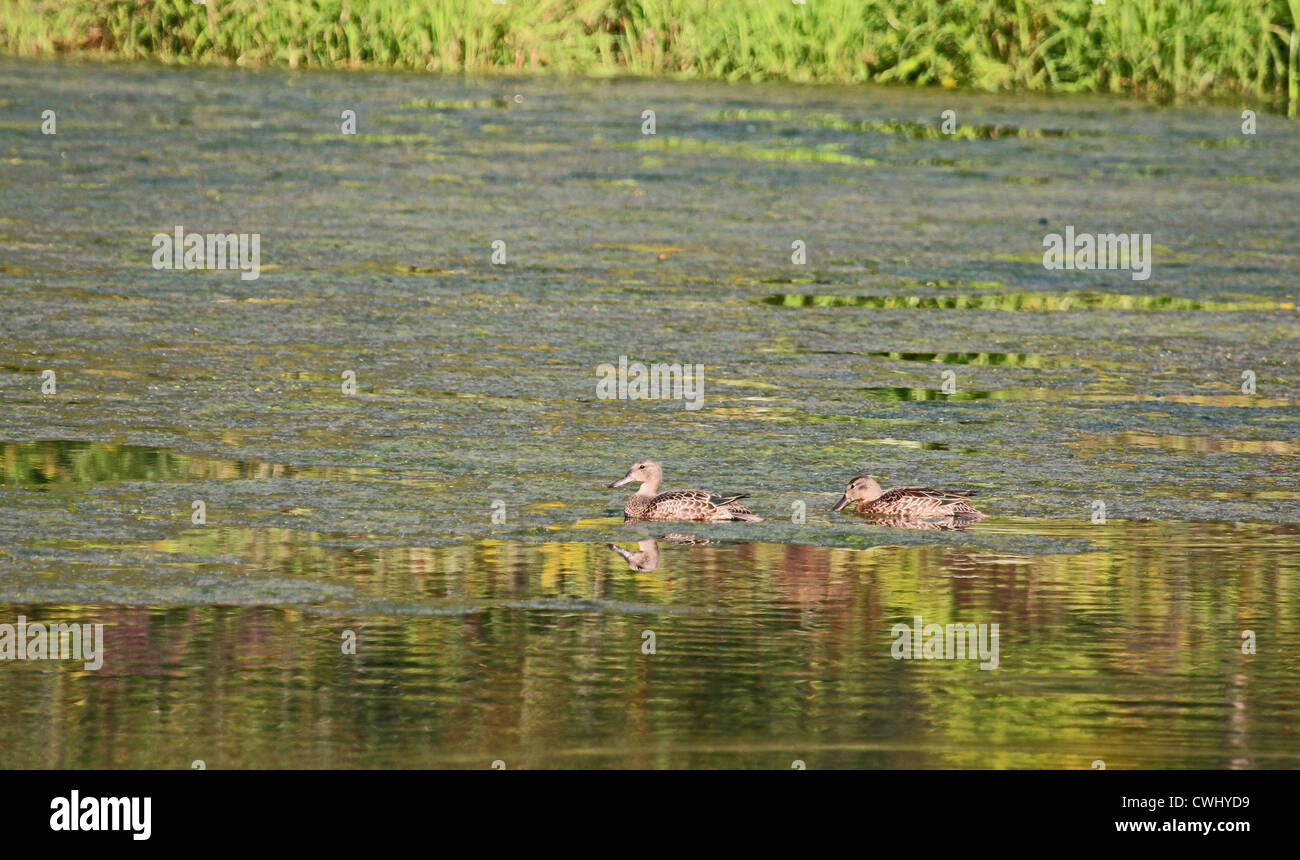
x,y
1039,301
918,130
382,139
1189,444
1220,142
909,443
916,445
1267,495
454,104
1223,401
967,165
814,278
636,247
747,383
420,270
896,394
1026,180
731,149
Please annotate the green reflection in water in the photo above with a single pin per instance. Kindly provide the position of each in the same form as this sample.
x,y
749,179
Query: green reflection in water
x,y
899,393
52,462
765,653
995,359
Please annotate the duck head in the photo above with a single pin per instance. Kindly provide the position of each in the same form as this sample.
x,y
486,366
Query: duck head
x,y
863,488
649,473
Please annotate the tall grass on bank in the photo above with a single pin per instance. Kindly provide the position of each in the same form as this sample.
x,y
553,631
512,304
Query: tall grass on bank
x,y
1169,48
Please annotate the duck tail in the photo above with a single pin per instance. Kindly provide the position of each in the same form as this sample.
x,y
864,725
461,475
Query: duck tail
x,y
746,517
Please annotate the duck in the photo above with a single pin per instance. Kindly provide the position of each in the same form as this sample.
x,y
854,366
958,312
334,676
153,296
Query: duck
x,y
692,505
908,503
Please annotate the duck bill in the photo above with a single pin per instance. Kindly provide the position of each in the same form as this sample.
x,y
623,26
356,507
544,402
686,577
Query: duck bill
x,y
839,506
626,479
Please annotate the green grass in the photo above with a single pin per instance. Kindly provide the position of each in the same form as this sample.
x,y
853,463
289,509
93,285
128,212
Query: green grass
x,y
1166,48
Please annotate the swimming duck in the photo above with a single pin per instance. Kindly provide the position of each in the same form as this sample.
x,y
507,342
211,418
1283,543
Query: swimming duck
x,y
911,503
694,505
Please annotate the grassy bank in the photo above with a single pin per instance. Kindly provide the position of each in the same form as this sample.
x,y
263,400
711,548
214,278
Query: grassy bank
x,y
1168,48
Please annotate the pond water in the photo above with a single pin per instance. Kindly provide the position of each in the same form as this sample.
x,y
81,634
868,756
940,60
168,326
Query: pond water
x,y
451,518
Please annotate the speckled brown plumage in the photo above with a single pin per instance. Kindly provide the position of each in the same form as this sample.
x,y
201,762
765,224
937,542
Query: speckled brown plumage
x,y
691,505
909,503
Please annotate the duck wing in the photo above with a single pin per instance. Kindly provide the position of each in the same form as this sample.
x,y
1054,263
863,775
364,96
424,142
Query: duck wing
x,y
696,496
723,501
925,493
920,501
695,505
681,496
680,504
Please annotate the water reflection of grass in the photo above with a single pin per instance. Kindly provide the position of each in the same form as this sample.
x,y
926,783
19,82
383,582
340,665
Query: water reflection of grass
x,y
522,652
989,359
72,462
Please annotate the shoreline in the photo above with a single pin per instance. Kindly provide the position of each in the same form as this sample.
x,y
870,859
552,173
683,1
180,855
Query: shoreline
x,y
1175,52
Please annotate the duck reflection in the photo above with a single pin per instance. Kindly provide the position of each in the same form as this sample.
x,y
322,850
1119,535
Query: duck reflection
x,y
646,557
954,522
689,540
